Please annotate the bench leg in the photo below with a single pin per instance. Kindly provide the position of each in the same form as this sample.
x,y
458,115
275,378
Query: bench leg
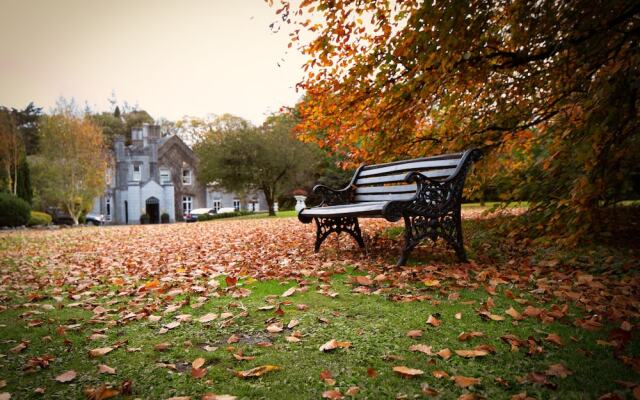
x,y
327,226
417,228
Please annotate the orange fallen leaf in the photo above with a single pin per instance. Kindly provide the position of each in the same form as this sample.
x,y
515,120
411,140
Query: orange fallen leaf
x,y
66,376
513,313
162,346
105,369
464,336
352,391
431,282
198,363
439,374
334,344
100,351
289,292
471,353
207,318
257,371
444,353
407,372
415,333
275,328
555,339
422,348
211,396
363,280
433,321
332,394
558,370
464,381
100,393
198,372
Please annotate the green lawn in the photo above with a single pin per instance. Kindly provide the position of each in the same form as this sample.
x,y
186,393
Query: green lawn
x,y
374,315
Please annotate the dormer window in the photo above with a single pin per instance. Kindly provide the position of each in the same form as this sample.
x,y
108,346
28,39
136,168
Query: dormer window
x,y
165,176
186,176
137,176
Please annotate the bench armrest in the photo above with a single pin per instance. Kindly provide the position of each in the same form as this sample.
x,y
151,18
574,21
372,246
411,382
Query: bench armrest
x,y
332,197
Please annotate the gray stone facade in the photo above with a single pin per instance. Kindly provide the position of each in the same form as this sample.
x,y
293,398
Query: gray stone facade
x,y
156,175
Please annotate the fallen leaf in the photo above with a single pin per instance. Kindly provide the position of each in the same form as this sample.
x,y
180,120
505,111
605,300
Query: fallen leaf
x,y
433,321
257,371
197,363
471,353
422,348
458,316
372,373
289,292
439,374
100,351
444,353
211,396
18,349
363,280
198,372
275,328
162,346
100,393
431,282
513,313
105,369
230,280
334,344
66,376
5,396
332,394
293,323
464,381
555,339
415,333
558,370
353,391
407,372
207,318
428,391
464,336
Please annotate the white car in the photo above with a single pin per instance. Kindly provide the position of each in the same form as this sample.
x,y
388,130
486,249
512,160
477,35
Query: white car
x,y
196,212
96,219
225,210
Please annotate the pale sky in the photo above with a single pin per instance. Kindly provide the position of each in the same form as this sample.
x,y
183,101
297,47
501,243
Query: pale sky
x,y
171,57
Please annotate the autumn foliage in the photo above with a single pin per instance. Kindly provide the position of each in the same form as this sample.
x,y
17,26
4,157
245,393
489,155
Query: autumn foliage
x,y
549,91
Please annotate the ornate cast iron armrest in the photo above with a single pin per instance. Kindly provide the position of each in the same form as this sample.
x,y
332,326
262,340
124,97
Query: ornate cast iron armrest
x,y
433,197
333,197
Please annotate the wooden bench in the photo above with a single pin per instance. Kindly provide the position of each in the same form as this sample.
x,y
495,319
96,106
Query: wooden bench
x,y
426,192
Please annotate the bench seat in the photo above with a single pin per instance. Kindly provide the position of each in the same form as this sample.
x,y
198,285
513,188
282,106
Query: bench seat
x,y
425,192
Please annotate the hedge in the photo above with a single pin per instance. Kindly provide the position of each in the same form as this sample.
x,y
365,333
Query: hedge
x,y
39,218
13,210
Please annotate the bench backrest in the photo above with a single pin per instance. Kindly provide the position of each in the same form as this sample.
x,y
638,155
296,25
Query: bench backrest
x,y
385,182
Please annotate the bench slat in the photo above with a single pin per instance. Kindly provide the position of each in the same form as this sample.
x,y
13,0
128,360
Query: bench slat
x,y
387,189
441,173
411,166
385,197
347,209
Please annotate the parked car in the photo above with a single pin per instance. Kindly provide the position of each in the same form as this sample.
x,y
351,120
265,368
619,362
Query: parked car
x,y
96,219
195,213
59,217
226,210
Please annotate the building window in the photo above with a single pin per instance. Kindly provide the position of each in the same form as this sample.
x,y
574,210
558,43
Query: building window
x,y
236,205
217,204
137,176
108,207
187,203
165,176
186,177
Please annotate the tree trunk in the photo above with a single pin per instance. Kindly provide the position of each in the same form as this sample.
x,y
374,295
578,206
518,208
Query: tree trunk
x,y
268,195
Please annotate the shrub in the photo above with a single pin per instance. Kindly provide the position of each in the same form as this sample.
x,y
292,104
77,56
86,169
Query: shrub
x,y
207,217
39,218
13,210
164,218
144,219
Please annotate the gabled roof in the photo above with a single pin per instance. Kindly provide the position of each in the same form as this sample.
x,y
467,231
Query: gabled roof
x,y
167,143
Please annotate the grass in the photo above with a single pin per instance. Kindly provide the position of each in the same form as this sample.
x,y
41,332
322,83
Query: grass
x,y
375,326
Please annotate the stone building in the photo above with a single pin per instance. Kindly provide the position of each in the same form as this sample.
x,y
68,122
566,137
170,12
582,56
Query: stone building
x,y
156,175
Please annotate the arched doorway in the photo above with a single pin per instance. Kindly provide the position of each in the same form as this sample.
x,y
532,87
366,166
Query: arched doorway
x,y
153,210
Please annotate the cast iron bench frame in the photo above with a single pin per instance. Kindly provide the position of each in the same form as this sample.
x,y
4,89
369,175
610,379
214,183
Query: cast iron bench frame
x,y
425,192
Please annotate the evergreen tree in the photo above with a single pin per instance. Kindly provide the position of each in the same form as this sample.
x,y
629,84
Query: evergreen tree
x,y
23,188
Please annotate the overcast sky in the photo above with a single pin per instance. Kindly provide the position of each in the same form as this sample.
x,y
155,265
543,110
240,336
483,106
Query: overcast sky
x,y
172,58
